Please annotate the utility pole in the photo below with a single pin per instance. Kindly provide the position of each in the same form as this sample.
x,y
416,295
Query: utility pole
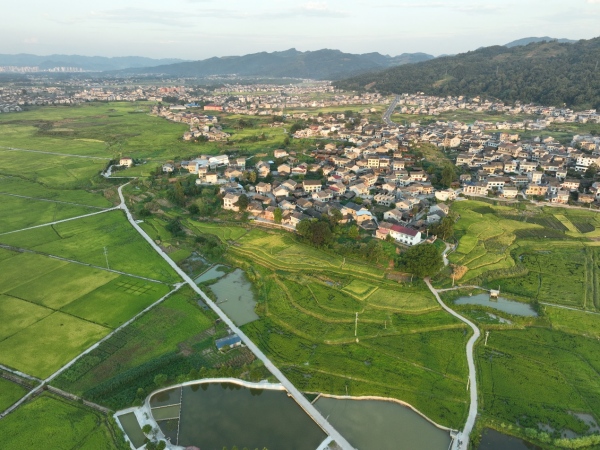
x,y
468,383
487,335
106,257
356,325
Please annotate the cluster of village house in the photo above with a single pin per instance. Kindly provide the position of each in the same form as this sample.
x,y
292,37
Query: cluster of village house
x,y
379,169
380,182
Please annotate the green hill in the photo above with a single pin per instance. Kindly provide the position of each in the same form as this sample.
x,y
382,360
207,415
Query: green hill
x,y
548,73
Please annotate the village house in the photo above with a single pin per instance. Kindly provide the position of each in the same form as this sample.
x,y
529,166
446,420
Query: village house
x,y
229,202
311,186
126,161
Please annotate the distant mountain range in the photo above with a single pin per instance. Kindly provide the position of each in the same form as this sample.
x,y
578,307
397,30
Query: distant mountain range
x,y
547,73
530,40
87,63
318,65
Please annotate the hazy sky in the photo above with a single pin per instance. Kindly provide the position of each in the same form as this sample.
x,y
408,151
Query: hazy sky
x,y
198,29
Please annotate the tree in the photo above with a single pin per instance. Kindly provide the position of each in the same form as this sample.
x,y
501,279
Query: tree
x,y
147,429
445,229
193,209
277,215
448,176
353,232
242,202
161,445
252,176
421,260
160,379
321,234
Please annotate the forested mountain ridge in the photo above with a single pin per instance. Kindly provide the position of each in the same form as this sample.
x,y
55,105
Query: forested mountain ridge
x,y
547,73
322,64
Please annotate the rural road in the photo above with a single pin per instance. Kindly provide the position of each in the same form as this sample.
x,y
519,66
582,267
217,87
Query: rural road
x,y
461,441
387,115
295,393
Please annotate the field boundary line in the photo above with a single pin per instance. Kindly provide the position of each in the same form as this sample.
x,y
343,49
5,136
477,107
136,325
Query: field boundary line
x,y
14,149
570,308
47,380
51,201
114,208
60,258
302,401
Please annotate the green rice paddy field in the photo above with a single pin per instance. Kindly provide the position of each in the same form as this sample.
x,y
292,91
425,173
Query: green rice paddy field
x,y
53,422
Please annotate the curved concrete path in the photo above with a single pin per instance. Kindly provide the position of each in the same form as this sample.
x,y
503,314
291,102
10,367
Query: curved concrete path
x,y
295,393
461,441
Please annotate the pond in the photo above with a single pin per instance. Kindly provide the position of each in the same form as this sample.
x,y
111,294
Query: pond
x,y
369,424
501,304
217,415
494,440
235,297
211,274
132,428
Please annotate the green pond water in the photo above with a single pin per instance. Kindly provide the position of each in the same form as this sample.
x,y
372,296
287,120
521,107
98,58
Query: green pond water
x,y
493,440
501,304
217,415
382,425
235,297
132,428
211,274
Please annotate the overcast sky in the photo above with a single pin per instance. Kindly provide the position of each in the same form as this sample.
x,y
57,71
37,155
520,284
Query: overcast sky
x,y
198,29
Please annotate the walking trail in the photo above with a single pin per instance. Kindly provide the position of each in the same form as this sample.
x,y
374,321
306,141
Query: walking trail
x,y
462,438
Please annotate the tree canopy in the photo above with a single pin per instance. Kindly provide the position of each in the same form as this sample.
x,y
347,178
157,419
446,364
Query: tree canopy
x,y
422,260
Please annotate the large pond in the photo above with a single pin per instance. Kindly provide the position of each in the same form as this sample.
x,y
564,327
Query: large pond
x,y
235,297
217,415
382,425
493,440
501,304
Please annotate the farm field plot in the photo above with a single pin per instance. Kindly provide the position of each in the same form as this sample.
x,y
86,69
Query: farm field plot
x,y
281,251
95,129
63,285
115,302
556,373
225,233
404,299
176,339
52,422
51,170
20,268
18,186
574,322
9,393
18,314
45,346
18,213
84,240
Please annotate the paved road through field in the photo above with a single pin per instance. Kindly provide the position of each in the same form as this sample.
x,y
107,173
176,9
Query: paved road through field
x,y
295,393
461,442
